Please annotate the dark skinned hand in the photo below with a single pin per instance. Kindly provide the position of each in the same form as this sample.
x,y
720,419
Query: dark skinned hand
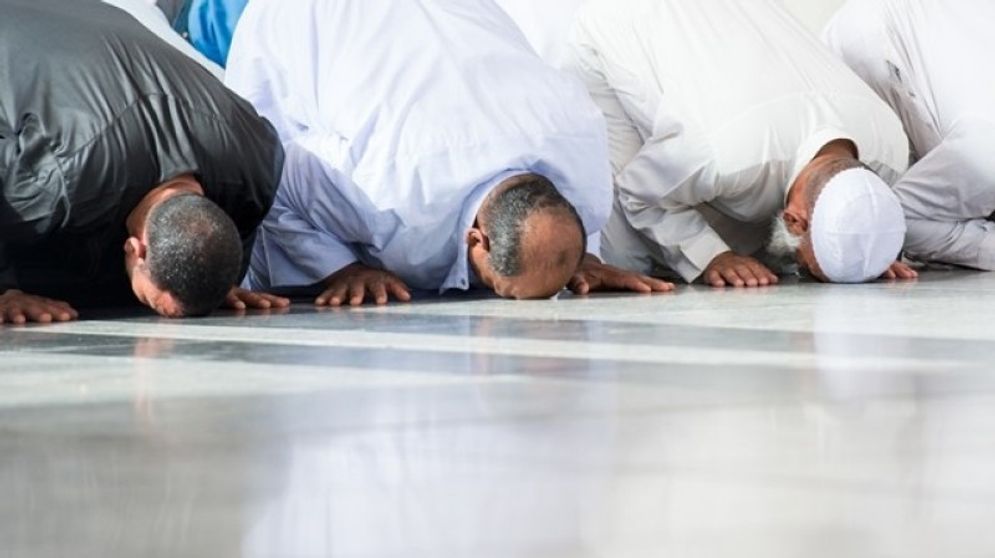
x,y
357,283
594,276
19,308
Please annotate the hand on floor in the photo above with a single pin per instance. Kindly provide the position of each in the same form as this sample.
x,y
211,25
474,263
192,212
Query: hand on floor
x,y
733,270
593,275
19,308
356,283
899,270
241,299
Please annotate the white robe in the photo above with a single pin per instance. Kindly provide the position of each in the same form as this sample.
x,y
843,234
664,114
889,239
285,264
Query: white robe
x,y
714,108
931,60
546,24
398,118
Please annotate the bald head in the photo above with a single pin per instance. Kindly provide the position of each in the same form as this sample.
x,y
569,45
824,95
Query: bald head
x,y
536,239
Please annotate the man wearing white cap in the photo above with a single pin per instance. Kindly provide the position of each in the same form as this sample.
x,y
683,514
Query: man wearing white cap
x,y
930,60
725,116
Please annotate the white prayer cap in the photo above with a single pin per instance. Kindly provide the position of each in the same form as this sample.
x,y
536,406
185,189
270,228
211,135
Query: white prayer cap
x,y
858,227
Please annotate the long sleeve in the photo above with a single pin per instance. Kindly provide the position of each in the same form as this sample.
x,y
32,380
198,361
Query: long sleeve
x,y
300,244
655,179
949,199
659,191
624,140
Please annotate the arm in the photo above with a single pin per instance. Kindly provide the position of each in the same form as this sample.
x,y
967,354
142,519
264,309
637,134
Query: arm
x,y
624,140
301,241
659,191
646,170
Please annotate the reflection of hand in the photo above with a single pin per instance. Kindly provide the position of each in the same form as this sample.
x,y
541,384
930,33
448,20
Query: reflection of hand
x,y
17,307
899,270
241,299
592,276
734,270
355,283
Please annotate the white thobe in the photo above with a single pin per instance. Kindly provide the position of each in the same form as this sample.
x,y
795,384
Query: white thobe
x,y
398,119
931,61
713,109
146,12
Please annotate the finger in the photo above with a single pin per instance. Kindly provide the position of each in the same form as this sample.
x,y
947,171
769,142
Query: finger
x,y
333,296
61,312
400,291
580,285
906,272
634,283
658,285
357,292
745,272
714,278
277,301
235,302
257,300
38,313
378,291
890,274
17,316
732,277
762,275
60,306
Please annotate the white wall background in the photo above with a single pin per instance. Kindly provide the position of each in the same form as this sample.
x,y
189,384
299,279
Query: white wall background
x,y
813,13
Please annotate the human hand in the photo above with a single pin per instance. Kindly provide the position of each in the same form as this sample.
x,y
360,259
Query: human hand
x,y
19,308
899,270
242,299
355,283
730,269
593,275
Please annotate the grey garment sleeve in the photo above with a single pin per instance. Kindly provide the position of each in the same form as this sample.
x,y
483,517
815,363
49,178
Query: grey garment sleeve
x,y
949,197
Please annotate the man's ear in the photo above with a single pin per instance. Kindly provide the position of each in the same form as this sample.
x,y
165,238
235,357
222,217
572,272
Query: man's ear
x,y
135,248
796,221
476,239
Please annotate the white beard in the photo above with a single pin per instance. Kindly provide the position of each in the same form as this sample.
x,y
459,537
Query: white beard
x,y
783,244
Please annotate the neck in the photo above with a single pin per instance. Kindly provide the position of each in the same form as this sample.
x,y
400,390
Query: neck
x,y
837,149
185,184
841,148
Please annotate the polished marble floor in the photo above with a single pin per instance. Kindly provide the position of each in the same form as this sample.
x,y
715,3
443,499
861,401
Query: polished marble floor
x,y
803,421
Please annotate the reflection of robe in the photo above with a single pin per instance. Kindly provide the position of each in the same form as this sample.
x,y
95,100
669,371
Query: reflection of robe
x,y
931,61
94,113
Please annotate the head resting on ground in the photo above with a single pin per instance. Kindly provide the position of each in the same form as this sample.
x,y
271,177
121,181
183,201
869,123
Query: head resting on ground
x,y
842,222
184,253
528,240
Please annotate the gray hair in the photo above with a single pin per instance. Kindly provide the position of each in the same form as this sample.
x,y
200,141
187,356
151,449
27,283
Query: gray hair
x,y
783,243
508,212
